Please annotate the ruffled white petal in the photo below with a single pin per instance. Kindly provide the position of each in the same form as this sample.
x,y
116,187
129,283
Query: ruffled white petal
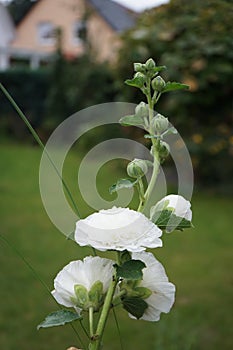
x,y
155,279
118,229
85,273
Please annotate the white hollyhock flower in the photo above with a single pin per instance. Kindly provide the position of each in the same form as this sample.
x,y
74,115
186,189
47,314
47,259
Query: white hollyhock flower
x,y
118,229
155,279
178,204
80,277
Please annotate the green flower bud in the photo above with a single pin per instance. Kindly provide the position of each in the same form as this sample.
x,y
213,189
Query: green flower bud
x,y
137,168
158,83
141,79
96,295
139,67
159,124
164,149
143,292
82,299
132,289
150,64
141,110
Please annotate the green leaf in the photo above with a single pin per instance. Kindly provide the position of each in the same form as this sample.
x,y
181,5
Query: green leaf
x,y
131,270
130,120
122,183
137,81
135,306
59,318
167,220
173,86
158,69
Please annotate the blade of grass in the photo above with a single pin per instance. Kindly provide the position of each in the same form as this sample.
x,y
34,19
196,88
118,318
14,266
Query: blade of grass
x,y
38,140
118,328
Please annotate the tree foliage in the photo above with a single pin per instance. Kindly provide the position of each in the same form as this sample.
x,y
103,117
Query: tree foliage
x,y
194,40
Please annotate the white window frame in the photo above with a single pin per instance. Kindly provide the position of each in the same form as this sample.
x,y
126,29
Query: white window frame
x,y
46,33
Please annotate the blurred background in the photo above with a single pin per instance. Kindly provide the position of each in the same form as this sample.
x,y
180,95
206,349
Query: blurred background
x,y
59,57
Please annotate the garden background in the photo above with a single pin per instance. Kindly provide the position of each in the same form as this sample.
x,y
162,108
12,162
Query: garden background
x,y
194,40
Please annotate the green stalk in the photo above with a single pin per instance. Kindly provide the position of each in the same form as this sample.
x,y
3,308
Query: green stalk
x,y
38,140
156,162
91,325
141,194
95,345
154,175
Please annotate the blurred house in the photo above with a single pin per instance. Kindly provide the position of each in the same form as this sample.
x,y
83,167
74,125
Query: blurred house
x,y
7,34
95,25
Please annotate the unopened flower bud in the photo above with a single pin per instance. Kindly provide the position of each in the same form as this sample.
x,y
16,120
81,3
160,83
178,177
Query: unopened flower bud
x,y
96,295
139,67
158,84
82,298
159,124
164,149
150,64
141,110
141,79
137,168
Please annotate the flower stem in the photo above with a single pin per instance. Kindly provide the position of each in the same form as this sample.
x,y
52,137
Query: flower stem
x,y
154,176
156,162
97,337
91,321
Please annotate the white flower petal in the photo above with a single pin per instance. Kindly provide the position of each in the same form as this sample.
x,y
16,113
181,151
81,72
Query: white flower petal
x,y
63,299
118,229
85,273
155,279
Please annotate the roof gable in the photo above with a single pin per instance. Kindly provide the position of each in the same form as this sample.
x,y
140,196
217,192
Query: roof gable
x,y
118,17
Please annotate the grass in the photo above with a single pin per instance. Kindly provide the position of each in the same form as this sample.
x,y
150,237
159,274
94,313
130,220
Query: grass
x,y
197,261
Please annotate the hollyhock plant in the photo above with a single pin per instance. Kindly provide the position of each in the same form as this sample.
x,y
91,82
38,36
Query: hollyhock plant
x,y
136,280
133,278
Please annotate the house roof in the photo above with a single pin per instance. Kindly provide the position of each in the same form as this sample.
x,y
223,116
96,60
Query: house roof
x,y
117,16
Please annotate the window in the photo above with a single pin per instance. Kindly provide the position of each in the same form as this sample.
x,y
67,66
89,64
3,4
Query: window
x,y
78,32
46,33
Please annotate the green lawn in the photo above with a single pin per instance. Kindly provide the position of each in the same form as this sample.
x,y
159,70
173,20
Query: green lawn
x,y
197,261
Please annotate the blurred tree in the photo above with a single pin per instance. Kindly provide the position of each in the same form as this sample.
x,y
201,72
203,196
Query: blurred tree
x,y
194,40
19,8
76,84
